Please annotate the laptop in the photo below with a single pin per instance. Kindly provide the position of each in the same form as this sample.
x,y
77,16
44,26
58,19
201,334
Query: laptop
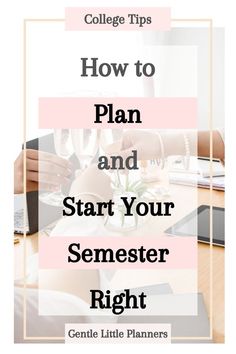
x,y
48,213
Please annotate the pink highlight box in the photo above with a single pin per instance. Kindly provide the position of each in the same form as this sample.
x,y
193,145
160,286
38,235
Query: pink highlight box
x,y
53,252
79,112
75,18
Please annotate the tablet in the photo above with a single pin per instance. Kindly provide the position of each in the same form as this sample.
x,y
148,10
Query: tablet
x,y
197,223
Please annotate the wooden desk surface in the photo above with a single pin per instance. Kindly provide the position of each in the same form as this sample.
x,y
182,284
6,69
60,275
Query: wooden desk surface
x,y
218,269
203,262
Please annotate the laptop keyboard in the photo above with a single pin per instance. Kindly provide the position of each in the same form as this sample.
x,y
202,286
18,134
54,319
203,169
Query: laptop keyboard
x,y
19,222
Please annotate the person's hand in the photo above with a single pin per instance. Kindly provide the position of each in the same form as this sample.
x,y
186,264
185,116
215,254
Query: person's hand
x,y
92,182
48,169
145,142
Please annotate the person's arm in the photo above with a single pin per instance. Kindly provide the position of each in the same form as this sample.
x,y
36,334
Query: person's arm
x,y
48,169
204,145
199,144
148,144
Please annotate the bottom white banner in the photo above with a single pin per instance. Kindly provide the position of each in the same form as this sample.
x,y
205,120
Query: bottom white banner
x,y
117,333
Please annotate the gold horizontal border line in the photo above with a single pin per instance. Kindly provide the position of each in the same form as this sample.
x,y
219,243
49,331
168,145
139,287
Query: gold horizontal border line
x,y
44,20
192,20
190,338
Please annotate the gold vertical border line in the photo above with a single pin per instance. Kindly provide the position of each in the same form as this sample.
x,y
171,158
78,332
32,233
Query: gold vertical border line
x,y
24,177
211,172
